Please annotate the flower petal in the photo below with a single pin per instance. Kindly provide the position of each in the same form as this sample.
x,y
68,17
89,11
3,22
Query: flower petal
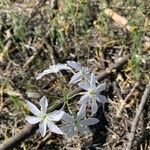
x,y
76,78
45,72
85,71
32,119
63,67
84,99
83,129
43,104
67,118
68,130
75,130
84,85
56,115
101,87
88,122
74,65
53,128
93,80
101,99
33,108
94,106
82,112
53,69
42,128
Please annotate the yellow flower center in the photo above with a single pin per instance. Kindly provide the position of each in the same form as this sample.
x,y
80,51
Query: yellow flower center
x,y
90,92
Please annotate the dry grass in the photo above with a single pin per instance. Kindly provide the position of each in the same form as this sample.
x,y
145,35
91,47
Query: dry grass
x,y
34,35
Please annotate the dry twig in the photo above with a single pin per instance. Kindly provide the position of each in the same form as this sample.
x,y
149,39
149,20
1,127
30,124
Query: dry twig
x,y
136,119
38,50
36,8
118,19
124,102
30,129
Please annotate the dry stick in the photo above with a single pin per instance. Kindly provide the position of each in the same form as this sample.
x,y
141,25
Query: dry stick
x,y
132,90
38,50
124,102
118,92
30,129
53,5
138,113
118,19
36,8
118,64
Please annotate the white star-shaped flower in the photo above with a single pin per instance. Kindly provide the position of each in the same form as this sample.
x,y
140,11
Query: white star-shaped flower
x,y
53,69
93,93
44,120
78,124
82,73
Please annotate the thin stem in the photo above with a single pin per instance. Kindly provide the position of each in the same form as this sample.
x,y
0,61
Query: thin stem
x,y
69,108
75,95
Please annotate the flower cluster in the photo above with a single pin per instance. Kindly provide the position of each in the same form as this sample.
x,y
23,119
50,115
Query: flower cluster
x,y
72,124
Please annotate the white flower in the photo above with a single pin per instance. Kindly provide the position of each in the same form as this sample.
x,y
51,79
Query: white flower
x,y
93,94
77,124
53,69
82,72
44,120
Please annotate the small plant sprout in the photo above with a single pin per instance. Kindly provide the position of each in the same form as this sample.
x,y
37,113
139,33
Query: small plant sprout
x,y
44,120
78,124
82,73
53,69
93,93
